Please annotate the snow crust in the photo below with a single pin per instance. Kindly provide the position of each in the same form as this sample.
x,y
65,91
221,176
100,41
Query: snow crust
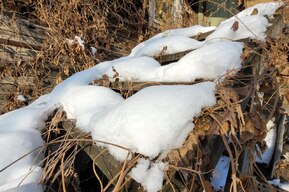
x,y
249,26
25,142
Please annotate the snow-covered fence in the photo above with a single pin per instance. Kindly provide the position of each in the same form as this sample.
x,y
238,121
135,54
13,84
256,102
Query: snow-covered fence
x,y
155,122
213,146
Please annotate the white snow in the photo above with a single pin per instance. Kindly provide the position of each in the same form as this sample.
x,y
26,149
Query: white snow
x,y
25,142
208,62
270,140
220,173
187,31
165,45
154,120
84,101
93,50
166,38
151,176
30,187
253,27
281,185
77,40
27,182
79,79
14,145
134,69
20,142
21,98
28,118
268,9
138,173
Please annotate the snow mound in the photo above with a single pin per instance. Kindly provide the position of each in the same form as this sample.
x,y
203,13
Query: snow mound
x,y
187,31
154,120
208,62
262,9
84,101
181,33
166,45
14,145
253,27
134,69
28,118
149,175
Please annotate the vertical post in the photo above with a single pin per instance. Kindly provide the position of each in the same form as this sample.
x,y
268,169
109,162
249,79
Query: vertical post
x,y
152,7
177,12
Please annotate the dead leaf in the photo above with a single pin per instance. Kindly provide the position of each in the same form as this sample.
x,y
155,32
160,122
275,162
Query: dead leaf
x,y
286,94
246,53
140,38
267,86
240,114
254,129
285,71
281,170
243,91
58,80
178,155
235,26
255,11
66,70
228,95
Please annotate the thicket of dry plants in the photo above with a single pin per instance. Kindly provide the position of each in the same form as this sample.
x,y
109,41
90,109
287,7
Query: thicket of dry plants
x,y
241,113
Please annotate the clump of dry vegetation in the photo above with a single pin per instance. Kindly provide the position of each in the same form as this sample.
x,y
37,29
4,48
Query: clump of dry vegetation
x,y
113,28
